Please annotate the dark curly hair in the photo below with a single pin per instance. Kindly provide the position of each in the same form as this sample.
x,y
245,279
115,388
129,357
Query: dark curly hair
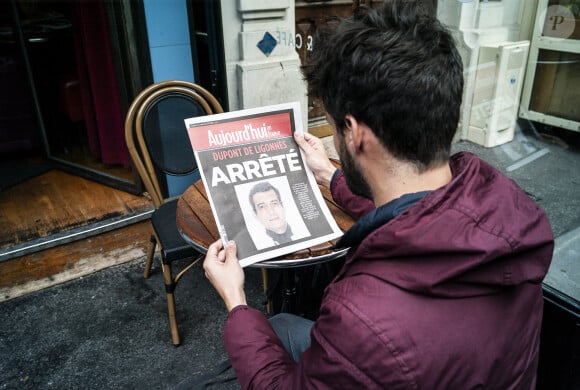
x,y
397,70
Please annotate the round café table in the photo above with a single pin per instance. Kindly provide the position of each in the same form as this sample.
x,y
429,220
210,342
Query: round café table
x,y
197,225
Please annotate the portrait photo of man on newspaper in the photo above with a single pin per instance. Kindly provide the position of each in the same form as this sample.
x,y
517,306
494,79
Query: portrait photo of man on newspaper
x,y
270,215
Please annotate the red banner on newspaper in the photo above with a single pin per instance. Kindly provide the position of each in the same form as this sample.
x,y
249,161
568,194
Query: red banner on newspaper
x,y
247,130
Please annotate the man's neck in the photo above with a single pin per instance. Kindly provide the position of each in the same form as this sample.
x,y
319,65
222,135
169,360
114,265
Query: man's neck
x,y
388,177
394,179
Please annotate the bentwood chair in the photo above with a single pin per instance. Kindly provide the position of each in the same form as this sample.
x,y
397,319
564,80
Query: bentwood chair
x,y
160,149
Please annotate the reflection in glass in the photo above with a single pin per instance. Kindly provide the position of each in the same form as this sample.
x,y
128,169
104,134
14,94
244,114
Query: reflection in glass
x,y
552,94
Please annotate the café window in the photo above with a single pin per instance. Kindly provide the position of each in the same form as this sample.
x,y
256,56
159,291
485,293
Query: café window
x,y
552,88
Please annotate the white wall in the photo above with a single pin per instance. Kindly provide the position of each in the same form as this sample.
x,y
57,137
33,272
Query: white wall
x,y
256,78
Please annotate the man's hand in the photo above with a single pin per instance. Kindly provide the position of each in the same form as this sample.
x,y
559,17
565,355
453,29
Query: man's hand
x,y
225,273
316,158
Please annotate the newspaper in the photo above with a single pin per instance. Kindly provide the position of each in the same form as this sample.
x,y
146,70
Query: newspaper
x,y
262,194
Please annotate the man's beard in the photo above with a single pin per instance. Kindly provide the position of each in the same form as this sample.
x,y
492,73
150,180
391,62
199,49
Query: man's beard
x,y
354,178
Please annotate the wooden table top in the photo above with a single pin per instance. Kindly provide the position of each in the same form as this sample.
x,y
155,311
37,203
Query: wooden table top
x,y
197,224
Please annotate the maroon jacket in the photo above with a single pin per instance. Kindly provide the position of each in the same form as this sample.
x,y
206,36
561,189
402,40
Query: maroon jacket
x,y
447,295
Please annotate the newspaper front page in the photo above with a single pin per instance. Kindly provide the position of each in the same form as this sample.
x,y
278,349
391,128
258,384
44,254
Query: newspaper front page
x,y
262,194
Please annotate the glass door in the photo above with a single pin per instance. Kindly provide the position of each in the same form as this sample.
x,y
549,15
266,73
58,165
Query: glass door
x,y
77,95
207,47
19,128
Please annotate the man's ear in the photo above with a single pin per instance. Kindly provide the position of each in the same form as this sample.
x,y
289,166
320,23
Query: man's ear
x,y
356,133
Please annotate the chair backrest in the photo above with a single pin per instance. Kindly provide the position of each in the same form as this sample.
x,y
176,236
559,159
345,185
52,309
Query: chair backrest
x,y
156,136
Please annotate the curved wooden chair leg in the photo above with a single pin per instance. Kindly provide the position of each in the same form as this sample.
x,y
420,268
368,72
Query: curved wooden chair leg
x,y
169,289
150,256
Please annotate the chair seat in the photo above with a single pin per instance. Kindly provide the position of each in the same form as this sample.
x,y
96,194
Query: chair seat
x,y
172,244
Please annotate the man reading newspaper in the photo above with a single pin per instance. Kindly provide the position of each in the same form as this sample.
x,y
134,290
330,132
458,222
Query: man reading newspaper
x,y
441,287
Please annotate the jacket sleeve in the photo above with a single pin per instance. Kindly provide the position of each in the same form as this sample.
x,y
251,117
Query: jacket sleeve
x,y
256,353
333,361
355,205
261,362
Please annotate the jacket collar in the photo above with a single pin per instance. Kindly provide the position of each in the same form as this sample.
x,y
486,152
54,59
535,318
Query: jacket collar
x,y
378,217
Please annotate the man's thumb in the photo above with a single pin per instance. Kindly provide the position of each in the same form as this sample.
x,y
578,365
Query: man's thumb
x,y
231,250
301,141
